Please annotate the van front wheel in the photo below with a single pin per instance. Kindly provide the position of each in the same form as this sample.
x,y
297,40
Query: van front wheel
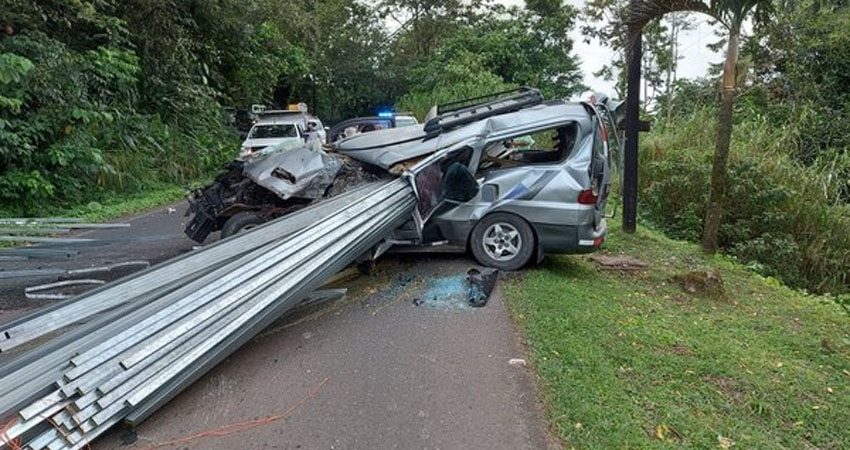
x,y
503,241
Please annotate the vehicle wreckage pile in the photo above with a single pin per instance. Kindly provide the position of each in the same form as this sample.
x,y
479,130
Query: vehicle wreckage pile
x,y
119,353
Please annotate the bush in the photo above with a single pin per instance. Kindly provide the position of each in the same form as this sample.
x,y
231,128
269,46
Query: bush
x,y
782,218
72,128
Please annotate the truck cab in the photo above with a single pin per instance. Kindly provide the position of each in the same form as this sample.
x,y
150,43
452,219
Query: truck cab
x,y
277,130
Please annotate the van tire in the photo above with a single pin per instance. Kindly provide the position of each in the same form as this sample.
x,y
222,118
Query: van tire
x,y
240,222
503,241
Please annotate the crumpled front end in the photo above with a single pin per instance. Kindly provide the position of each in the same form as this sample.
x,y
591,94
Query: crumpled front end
x,y
301,172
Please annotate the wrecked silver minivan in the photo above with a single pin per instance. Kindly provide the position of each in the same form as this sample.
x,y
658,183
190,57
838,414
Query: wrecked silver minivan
x,y
508,177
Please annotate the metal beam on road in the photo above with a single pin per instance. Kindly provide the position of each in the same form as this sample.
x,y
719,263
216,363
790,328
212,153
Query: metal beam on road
x,y
56,240
173,323
64,313
36,220
32,230
93,226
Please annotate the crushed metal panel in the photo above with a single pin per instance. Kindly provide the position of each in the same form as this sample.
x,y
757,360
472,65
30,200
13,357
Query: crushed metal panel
x,y
383,148
380,138
386,148
301,172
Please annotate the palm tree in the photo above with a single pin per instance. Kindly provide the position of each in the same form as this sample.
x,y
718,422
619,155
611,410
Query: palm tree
x,y
731,14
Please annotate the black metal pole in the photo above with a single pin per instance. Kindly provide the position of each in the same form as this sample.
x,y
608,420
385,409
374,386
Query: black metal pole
x,y
630,156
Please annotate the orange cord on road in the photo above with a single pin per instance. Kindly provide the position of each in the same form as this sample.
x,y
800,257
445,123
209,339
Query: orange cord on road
x,y
242,426
14,444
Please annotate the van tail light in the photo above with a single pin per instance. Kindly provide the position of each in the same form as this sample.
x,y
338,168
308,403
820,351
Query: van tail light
x,y
587,197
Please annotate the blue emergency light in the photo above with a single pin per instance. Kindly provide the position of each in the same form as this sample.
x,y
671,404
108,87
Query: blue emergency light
x,y
386,114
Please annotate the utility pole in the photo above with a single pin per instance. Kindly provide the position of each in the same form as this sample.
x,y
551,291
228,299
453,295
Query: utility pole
x,y
630,156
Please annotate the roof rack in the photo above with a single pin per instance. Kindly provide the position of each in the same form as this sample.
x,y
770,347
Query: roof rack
x,y
462,112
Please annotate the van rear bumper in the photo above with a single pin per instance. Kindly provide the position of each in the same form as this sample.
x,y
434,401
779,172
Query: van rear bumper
x,y
571,238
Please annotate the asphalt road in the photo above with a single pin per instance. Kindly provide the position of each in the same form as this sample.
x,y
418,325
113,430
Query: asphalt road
x,y
400,363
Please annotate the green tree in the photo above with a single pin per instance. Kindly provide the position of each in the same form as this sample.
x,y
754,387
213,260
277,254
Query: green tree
x,y
461,75
800,72
731,14
423,24
678,22
344,42
86,121
527,45
604,21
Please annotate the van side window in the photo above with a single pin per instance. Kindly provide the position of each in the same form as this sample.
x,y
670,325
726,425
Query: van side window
x,y
547,146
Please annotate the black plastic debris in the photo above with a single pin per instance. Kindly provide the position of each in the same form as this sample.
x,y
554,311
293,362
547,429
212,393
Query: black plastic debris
x,y
481,284
405,279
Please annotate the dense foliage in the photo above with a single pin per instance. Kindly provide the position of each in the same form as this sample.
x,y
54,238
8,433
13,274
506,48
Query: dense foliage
x,y
87,110
787,212
103,97
781,217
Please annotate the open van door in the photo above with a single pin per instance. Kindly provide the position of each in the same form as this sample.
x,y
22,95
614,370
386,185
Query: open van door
x,y
600,166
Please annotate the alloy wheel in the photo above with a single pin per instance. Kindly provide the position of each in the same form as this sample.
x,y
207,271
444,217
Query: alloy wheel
x,y
502,241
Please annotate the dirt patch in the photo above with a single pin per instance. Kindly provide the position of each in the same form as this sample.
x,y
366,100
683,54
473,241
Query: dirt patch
x,y
618,262
664,433
701,282
795,325
681,350
679,299
829,346
677,349
728,387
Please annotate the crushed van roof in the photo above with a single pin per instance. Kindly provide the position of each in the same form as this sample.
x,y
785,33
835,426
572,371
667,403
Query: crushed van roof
x,y
385,148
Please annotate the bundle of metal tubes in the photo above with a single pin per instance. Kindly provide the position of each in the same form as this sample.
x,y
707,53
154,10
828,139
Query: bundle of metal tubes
x,y
145,338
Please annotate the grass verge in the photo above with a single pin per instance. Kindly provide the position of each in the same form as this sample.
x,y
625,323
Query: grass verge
x,y
630,360
111,206
114,207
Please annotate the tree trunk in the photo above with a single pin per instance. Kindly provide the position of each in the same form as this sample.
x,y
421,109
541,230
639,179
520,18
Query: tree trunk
x,y
714,213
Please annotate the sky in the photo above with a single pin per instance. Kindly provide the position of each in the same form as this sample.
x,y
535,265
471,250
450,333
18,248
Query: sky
x,y
695,61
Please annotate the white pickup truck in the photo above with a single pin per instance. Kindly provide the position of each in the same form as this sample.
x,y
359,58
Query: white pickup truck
x,y
289,128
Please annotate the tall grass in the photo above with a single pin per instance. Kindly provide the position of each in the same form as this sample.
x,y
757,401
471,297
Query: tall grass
x,y
160,153
139,153
781,217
